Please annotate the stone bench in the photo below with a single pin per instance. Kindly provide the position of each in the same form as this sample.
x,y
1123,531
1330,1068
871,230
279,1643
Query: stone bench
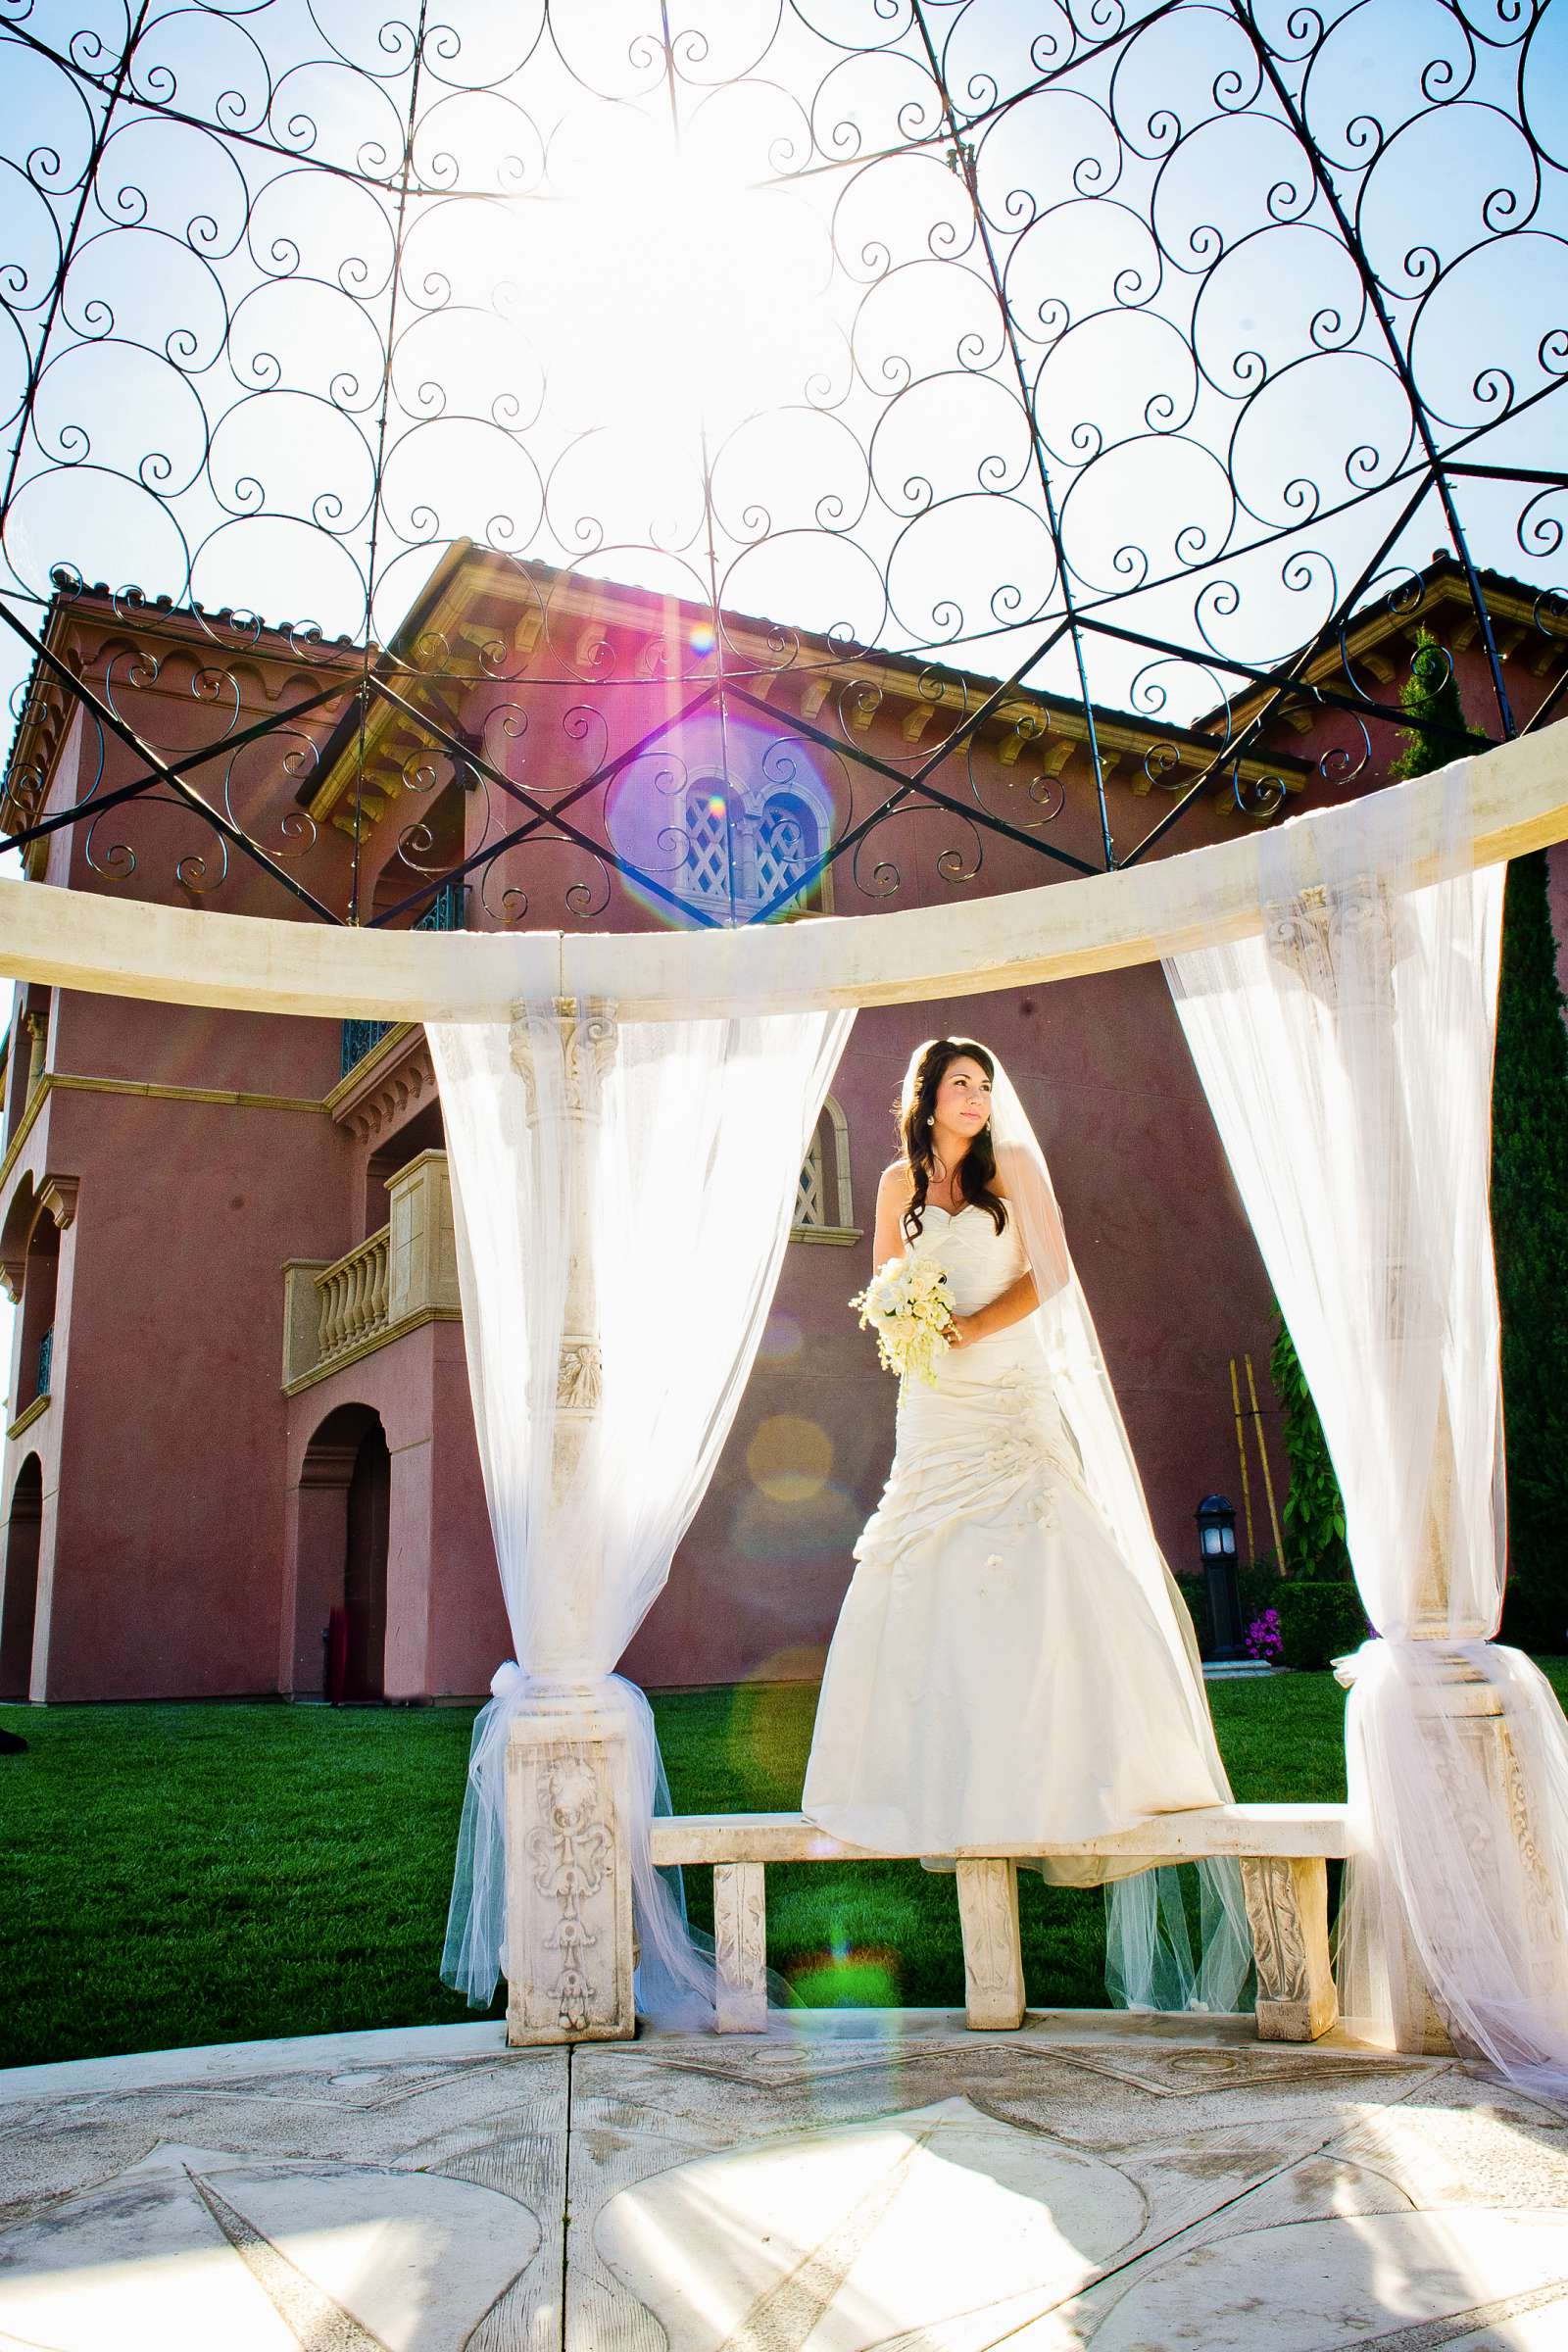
x,y
1282,1852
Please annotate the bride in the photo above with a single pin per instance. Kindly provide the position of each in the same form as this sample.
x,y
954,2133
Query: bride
x,y
1012,1665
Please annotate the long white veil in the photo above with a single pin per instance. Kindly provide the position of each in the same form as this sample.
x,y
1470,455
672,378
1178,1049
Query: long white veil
x,y
1151,1961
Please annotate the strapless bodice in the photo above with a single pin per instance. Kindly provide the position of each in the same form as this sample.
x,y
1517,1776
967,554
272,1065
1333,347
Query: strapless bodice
x,y
979,1261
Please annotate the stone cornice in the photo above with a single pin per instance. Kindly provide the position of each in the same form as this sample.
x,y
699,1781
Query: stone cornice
x,y
73,618
1444,610
914,689
34,1412
397,1072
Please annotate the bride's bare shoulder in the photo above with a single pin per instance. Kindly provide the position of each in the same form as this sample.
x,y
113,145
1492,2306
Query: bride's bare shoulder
x,y
895,1192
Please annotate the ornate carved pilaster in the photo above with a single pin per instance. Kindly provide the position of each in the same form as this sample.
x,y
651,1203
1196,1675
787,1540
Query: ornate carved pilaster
x,y
1470,1752
740,1948
1287,1912
993,1954
568,1957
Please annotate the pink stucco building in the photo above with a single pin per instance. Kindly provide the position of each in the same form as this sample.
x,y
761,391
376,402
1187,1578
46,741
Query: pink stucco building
x,y
238,1456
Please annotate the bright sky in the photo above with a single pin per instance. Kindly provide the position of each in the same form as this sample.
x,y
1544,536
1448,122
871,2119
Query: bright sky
x,y
610,301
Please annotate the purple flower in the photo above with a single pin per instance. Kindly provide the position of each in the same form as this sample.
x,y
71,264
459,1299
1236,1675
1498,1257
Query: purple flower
x,y
1262,1635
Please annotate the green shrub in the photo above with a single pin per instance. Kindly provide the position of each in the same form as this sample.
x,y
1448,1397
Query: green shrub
x,y
1320,1621
1258,1583
1194,1591
1314,1509
1530,1230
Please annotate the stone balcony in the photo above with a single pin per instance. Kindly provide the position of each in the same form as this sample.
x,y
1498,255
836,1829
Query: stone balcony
x,y
337,1311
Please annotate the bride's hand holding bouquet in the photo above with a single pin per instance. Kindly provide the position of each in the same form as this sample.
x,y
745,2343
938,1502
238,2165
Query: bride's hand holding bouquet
x,y
906,1303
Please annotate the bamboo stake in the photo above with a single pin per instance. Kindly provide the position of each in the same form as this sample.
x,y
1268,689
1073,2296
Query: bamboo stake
x,y
1268,1481
1241,1456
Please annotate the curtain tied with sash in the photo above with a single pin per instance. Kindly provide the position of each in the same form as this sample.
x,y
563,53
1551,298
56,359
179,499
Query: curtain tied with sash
x,y
1346,1053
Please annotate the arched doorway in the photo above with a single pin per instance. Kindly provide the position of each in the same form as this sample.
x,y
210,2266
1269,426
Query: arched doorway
x,y
19,1597
369,1499
340,1573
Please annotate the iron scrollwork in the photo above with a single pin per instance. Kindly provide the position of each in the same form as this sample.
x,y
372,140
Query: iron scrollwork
x,y
737,455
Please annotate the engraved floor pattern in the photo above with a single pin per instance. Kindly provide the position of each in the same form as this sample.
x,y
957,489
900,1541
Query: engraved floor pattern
x,y
868,2180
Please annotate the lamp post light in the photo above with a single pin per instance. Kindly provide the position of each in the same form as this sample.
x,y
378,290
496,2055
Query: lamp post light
x,y
1216,1544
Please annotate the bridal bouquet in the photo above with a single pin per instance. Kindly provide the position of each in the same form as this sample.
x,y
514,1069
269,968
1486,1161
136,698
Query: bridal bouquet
x,y
906,1303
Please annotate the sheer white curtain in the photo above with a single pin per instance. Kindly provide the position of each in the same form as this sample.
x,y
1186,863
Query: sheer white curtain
x,y
623,1194
1346,1056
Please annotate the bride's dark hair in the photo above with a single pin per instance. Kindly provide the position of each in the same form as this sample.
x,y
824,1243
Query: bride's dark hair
x,y
976,1171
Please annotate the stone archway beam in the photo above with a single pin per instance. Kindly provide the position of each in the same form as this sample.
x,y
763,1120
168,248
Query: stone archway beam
x,y
1518,795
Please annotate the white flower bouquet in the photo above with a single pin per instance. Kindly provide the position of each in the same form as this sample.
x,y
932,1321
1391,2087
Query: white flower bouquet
x,y
906,1303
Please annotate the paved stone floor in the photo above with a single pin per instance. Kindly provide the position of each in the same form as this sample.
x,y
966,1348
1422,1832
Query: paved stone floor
x,y
867,2179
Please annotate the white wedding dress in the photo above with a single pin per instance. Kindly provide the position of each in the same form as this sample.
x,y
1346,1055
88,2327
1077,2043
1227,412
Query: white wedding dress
x,y
998,1678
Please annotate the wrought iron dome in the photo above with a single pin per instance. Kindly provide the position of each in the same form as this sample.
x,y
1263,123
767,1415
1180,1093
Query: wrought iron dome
x,y
1084,387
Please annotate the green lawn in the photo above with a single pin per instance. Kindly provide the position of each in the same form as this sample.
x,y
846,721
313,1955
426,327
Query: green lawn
x,y
178,1875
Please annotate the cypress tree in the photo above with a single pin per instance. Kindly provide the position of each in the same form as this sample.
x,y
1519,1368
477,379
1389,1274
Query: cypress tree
x,y
1530,1233
1314,1509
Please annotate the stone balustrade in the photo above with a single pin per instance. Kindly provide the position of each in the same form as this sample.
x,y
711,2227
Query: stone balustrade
x,y
353,1297
339,1309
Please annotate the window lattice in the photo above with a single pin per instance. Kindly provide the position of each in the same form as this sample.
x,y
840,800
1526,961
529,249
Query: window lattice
x,y
786,846
711,846
810,1207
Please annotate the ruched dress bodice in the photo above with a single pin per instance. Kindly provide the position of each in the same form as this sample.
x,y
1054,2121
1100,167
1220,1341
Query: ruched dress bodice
x,y
989,1428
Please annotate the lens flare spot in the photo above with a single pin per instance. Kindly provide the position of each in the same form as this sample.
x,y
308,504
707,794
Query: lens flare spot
x,y
790,1458
846,1977
703,638
782,1337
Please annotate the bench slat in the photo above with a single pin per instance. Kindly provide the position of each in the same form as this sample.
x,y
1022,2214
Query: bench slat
x,y
1300,1832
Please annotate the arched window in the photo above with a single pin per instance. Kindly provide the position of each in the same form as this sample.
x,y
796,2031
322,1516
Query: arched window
x,y
713,871
739,858
788,844
824,1208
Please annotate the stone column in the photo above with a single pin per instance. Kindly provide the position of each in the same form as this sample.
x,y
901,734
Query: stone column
x,y
568,1958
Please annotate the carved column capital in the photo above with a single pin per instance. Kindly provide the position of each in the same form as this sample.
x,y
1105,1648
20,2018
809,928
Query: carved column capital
x,y
588,1032
589,1036
1341,938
